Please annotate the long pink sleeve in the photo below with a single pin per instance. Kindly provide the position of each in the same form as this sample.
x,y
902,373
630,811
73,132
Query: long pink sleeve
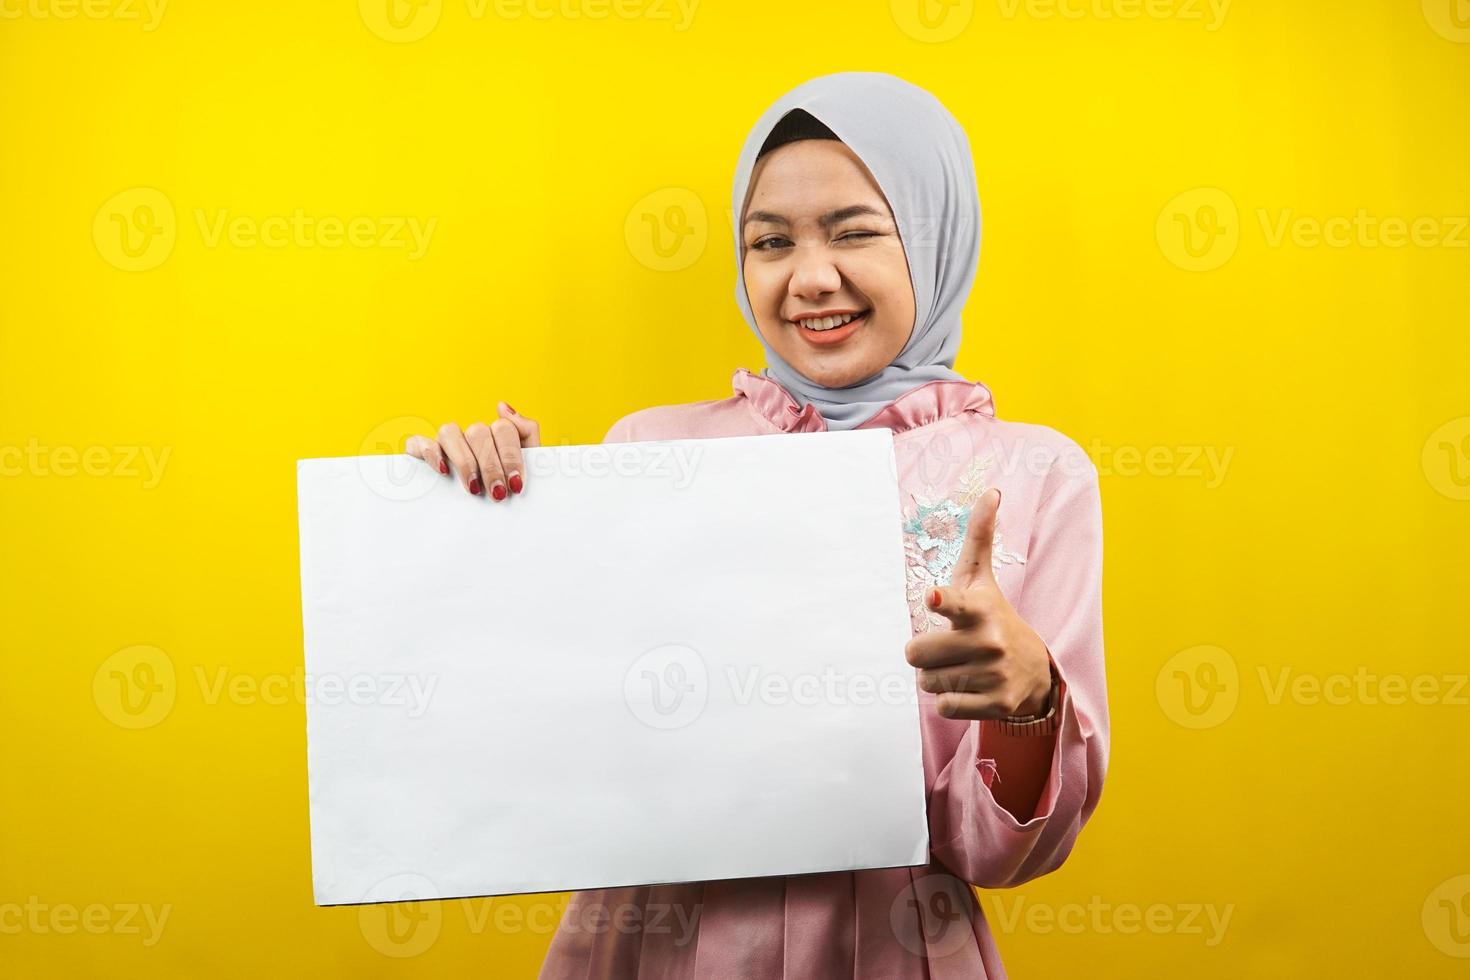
x,y
1061,598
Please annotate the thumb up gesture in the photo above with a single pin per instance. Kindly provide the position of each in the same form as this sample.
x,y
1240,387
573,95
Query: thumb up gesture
x,y
989,663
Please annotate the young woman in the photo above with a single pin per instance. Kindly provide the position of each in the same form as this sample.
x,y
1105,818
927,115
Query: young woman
x,y
857,245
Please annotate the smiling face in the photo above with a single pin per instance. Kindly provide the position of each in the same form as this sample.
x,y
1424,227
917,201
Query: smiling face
x,y
824,267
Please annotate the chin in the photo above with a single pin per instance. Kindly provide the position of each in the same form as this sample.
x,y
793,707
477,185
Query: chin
x,y
832,375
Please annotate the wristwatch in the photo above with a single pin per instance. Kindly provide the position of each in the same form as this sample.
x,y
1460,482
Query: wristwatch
x,y
1045,723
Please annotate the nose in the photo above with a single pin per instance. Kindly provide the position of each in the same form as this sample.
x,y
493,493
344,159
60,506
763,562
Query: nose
x,y
815,275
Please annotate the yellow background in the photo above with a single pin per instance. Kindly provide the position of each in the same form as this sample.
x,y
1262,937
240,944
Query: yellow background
x,y
545,149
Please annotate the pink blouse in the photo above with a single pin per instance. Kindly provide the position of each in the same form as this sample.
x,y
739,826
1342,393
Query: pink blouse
x,y
924,921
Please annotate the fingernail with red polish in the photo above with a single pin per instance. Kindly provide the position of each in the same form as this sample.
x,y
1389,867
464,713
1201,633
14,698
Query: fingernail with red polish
x,y
443,467
509,409
933,598
515,483
475,487
497,490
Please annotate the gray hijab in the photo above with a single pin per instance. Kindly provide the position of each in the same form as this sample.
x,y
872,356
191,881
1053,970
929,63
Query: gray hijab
x,y
920,157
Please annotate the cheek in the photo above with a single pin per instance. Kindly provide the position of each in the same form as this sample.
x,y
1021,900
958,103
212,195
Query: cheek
x,y
903,319
889,289
762,287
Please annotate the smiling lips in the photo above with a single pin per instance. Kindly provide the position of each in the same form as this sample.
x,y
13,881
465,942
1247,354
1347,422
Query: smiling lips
x,y
831,327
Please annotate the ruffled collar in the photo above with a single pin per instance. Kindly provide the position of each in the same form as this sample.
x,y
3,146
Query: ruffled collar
x,y
927,403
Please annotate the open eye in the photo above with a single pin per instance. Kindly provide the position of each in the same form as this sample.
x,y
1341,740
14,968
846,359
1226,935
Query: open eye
x,y
768,243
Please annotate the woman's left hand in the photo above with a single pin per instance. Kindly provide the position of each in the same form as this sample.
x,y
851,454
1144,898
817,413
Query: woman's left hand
x,y
990,663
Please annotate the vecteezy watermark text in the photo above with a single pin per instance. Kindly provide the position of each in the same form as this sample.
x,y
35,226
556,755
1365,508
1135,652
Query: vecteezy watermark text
x,y
38,917
676,461
410,691
148,13
410,926
137,229
1098,916
302,230
36,459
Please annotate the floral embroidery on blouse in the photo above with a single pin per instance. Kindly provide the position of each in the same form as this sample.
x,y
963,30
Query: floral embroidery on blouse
x,y
934,531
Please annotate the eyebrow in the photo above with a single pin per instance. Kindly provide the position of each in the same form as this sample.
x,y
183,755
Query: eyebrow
x,y
826,220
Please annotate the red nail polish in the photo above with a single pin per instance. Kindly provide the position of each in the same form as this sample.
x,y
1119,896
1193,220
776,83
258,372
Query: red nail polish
x,y
509,409
933,598
443,467
475,487
498,491
515,483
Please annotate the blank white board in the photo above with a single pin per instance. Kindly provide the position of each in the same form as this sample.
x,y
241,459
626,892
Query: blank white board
x,y
664,661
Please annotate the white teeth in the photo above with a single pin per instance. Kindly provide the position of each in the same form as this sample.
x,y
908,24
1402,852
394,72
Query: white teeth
x,y
827,322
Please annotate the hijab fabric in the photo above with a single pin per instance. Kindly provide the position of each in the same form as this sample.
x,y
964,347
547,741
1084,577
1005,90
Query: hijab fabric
x,y
920,157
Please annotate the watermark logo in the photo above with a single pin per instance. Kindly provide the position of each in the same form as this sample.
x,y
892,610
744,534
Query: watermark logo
x,y
135,229
1199,229
943,454
398,477
1446,458
667,687
1450,19
666,230
408,926
400,21
135,687
1446,917
932,21
1198,687
931,917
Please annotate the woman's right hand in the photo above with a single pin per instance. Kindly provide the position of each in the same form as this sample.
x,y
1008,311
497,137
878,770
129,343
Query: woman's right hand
x,y
482,456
